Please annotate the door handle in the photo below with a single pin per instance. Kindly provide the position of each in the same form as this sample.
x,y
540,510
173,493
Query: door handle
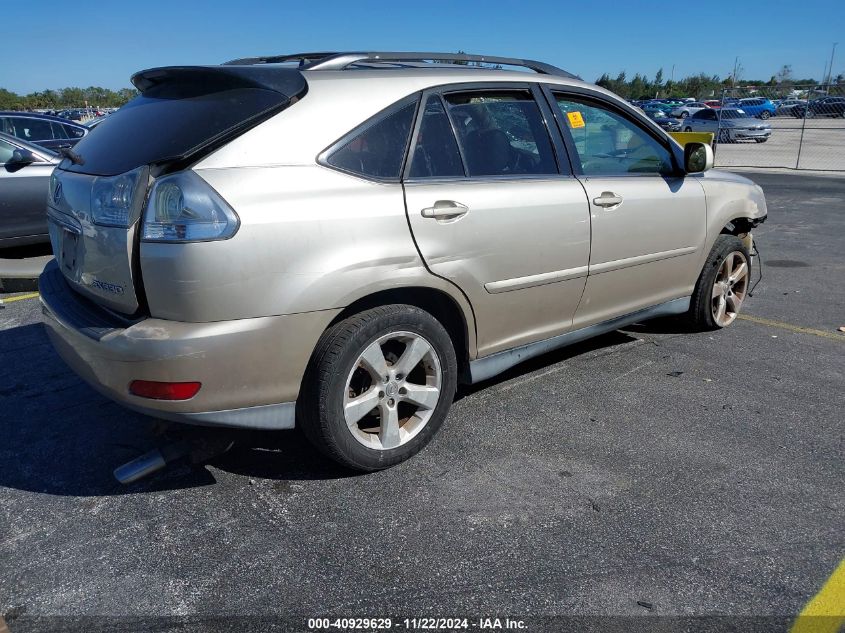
x,y
607,199
445,210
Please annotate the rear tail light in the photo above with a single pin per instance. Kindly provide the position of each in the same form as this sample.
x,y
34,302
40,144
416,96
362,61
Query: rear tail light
x,y
113,198
184,208
164,390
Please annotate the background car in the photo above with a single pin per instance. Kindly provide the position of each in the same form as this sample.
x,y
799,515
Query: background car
x,y
785,107
47,131
683,111
25,171
713,103
825,106
655,109
729,125
656,105
667,123
756,107
71,115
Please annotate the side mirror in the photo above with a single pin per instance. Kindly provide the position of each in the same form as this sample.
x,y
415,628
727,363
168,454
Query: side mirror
x,y
698,157
21,158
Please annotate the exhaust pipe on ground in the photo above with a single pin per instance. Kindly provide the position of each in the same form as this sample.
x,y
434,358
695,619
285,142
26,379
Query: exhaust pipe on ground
x,y
150,462
199,448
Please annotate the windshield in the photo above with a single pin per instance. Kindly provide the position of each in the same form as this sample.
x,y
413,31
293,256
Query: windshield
x,y
734,114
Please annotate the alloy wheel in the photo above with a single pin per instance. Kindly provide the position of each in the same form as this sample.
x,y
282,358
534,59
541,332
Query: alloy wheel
x,y
392,390
730,288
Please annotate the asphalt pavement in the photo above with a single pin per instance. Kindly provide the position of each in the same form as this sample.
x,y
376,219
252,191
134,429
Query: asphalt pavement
x,y
650,472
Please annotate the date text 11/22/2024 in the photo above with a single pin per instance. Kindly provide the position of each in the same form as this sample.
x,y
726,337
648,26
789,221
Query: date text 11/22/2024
x,y
416,624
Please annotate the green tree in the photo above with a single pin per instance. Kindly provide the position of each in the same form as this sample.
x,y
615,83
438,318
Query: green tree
x,y
9,100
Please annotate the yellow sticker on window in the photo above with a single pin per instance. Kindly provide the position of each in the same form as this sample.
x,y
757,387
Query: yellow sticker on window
x,y
575,119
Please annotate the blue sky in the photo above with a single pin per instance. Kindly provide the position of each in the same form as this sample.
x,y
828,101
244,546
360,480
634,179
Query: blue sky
x,y
51,46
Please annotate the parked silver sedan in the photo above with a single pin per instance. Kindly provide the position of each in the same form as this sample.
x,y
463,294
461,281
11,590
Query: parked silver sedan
x,y
25,171
729,125
687,109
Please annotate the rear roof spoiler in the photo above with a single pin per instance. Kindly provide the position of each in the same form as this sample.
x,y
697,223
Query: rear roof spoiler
x,y
286,81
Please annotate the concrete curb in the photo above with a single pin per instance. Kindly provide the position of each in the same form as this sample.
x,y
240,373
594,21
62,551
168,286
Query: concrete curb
x,y
20,275
783,170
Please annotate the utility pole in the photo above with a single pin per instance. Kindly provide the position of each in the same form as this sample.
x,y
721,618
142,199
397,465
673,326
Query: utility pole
x,y
830,69
733,79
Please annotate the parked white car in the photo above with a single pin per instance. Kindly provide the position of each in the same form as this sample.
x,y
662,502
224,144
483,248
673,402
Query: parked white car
x,y
685,110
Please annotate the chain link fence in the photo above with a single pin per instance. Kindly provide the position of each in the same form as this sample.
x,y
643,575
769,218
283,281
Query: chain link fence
x,y
794,127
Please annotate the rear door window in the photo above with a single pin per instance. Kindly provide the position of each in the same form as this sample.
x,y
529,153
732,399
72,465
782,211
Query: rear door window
x,y
59,130
32,129
378,149
502,133
436,153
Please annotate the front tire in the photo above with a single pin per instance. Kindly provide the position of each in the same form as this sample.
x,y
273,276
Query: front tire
x,y
722,285
378,386
688,129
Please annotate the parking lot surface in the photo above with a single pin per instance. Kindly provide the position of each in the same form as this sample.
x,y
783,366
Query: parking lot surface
x,y
813,144
652,471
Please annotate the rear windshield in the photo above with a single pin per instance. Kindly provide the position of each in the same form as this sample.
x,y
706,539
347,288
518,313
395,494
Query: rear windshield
x,y
171,121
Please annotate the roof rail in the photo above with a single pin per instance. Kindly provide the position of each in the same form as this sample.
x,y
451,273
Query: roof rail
x,y
341,61
304,59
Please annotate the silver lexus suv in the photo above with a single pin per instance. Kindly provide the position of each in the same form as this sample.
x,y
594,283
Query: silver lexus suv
x,y
336,240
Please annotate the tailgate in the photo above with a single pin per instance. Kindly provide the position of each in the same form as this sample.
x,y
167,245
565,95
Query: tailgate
x,y
96,260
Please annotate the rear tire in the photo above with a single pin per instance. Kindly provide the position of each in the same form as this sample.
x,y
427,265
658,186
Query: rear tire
x,y
765,114
688,129
722,285
378,386
761,140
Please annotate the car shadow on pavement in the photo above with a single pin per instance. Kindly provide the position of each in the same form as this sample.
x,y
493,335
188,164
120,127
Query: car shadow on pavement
x,y
60,437
664,325
606,341
278,455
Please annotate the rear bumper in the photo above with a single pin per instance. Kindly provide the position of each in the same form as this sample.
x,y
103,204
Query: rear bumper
x,y
250,369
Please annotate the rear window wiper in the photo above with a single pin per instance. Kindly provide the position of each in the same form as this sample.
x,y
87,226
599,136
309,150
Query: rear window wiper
x,y
72,156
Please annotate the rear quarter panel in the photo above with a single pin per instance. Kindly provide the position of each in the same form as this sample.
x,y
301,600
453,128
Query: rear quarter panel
x,y
310,239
